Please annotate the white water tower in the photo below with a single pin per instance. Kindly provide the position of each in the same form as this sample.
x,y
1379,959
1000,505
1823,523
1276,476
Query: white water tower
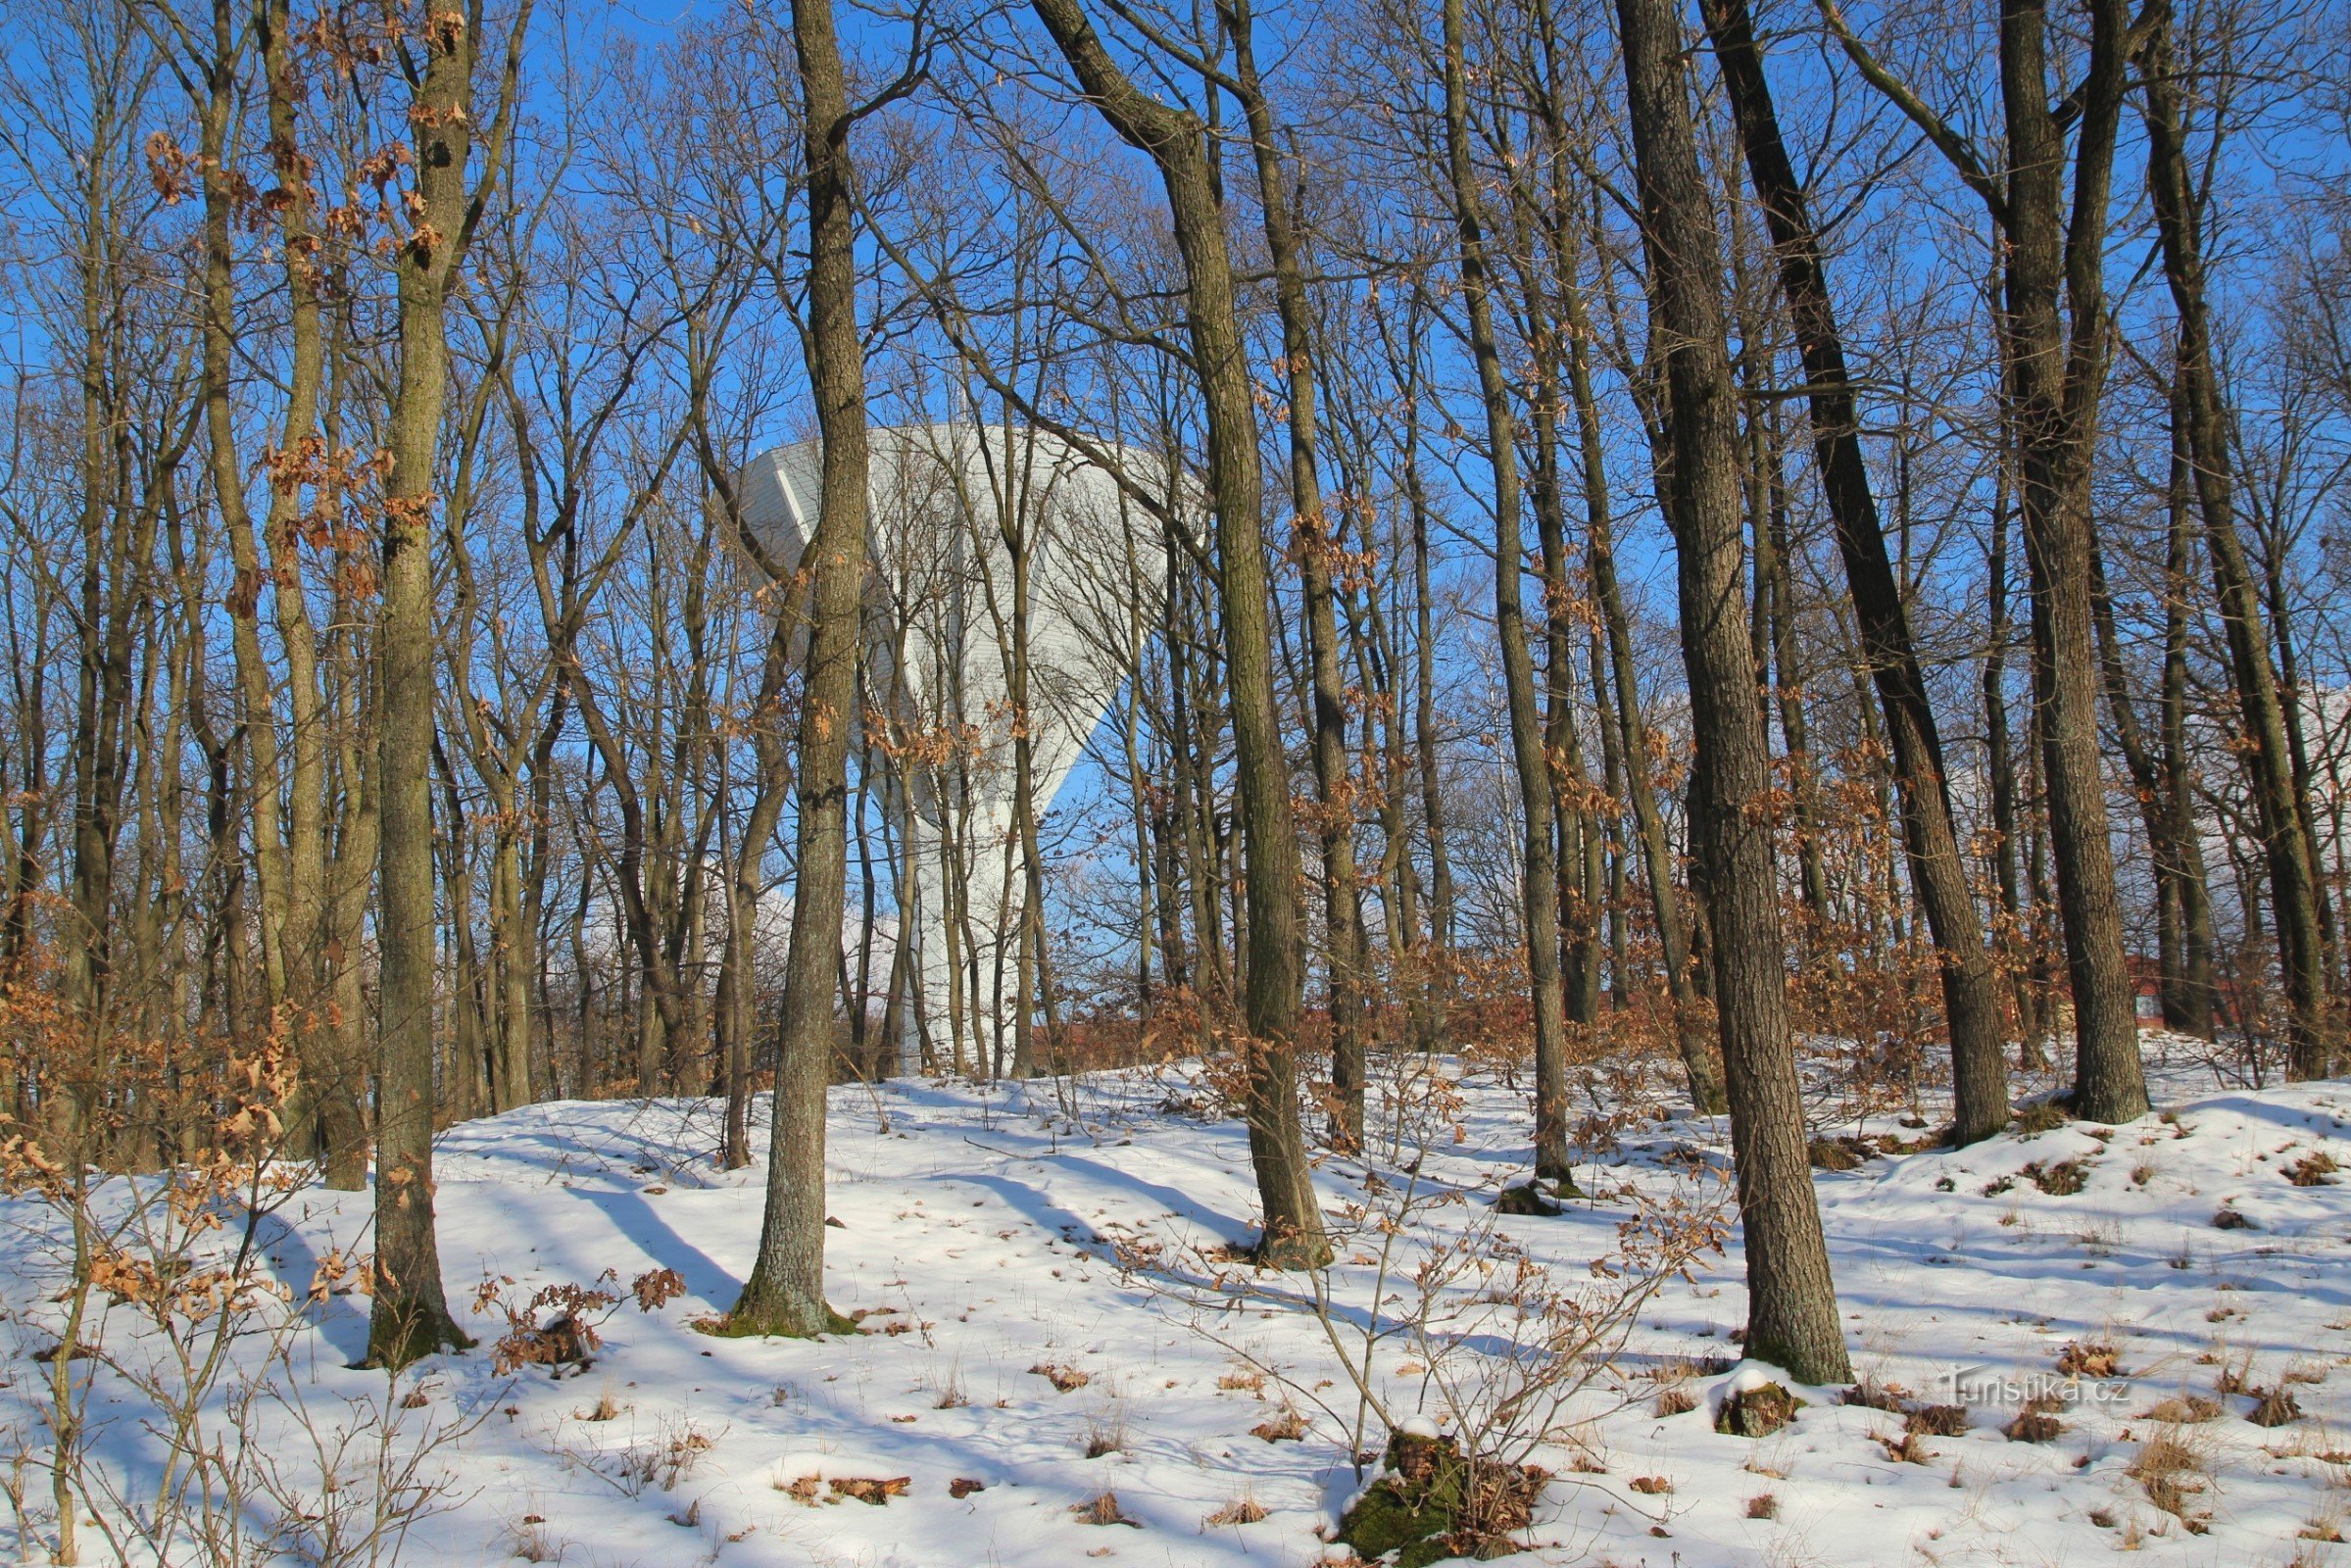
x,y
938,629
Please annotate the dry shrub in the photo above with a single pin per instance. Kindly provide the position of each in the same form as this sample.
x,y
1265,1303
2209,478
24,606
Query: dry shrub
x,y
2040,1118
2089,1358
2183,1410
1488,1015
568,1338
2062,1179
1919,1421
1064,1379
2313,1169
1908,1448
1936,1420
1675,1401
528,1540
1105,1433
564,1341
149,1149
1652,1486
2036,1423
1454,1326
2273,1407
657,1288
1763,1506
1283,1425
1103,1509
1884,1005
1833,1154
672,1456
1870,1394
871,1489
1241,1510
1500,1346
2173,1469
810,1490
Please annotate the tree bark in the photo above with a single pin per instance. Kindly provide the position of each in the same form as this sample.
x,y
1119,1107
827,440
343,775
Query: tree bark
x,y
410,1316
1938,873
1792,1319
1701,1069
2055,385
1273,989
1316,543
2187,1003
785,1294
2279,799
2053,335
1539,871
1434,990
2176,860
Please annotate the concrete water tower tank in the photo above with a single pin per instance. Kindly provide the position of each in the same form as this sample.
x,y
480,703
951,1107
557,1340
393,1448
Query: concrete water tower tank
x,y
938,626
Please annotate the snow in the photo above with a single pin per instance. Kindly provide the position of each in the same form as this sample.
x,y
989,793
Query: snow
x,y
980,1232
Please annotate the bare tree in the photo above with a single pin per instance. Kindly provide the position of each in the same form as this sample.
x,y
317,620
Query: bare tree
x,y
1971,996
1792,1318
2053,335
409,1316
785,1294
2279,797
1273,987
1539,892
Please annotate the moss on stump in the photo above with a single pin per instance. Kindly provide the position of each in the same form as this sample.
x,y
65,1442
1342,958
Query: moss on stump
x,y
1433,1503
1757,1411
739,1325
1525,1200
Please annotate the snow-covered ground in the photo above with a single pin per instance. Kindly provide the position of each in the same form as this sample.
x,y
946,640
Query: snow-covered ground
x,y
981,1231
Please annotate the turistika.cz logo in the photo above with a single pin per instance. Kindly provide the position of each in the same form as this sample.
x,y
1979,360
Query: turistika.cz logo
x,y
1998,1384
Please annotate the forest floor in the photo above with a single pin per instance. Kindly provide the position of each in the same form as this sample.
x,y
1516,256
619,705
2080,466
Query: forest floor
x,y
981,1238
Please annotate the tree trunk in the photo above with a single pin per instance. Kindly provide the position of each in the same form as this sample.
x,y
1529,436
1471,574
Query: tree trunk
x,y
1938,873
2188,1007
1792,1318
1539,871
410,1316
1576,828
2054,387
1434,992
1335,824
1699,1067
2053,335
2000,764
2178,861
1274,985
741,1019
2280,803
785,1294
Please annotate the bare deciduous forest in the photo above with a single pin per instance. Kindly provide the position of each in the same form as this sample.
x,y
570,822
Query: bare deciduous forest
x,y
1429,620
